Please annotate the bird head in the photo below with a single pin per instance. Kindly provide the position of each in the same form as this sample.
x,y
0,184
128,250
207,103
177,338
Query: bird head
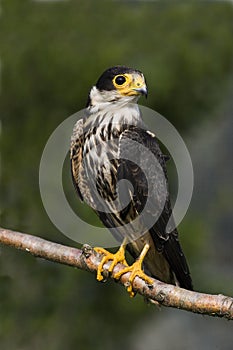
x,y
118,85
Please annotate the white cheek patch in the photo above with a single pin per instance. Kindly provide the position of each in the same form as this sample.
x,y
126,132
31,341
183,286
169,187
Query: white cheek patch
x,y
108,100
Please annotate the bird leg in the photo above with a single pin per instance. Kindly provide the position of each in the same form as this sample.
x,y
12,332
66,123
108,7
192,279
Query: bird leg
x,y
118,257
136,270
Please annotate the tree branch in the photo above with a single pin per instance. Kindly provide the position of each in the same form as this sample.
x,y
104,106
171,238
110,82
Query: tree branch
x,y
88,259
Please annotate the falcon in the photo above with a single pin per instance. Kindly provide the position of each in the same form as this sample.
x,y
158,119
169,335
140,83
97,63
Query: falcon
x,y
119,170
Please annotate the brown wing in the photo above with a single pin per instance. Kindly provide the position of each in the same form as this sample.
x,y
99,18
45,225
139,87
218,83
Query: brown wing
x,y
166,243
76,147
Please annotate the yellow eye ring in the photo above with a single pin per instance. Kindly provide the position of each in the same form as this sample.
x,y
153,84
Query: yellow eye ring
x,y
120,80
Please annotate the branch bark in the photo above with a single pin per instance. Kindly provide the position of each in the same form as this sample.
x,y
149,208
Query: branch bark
x,y
87,259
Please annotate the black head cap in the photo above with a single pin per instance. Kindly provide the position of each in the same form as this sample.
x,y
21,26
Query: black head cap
x,y
105,80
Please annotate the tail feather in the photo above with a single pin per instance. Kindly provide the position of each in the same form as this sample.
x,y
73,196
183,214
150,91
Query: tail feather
x,y
176,259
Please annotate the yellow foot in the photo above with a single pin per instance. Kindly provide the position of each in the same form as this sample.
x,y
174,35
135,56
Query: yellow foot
x,y
118,257
136,270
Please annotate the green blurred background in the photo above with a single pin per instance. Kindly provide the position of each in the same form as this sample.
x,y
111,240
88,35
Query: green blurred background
x,y
52,52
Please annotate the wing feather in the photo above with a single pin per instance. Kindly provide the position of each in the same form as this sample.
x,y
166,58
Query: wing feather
x,y
76,146
165,243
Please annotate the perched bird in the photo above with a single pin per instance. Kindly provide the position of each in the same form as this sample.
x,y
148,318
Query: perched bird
x,y
110,144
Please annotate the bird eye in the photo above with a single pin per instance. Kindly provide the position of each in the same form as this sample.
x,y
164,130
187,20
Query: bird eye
x,y
120,80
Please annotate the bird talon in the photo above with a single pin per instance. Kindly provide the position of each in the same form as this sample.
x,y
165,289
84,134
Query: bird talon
x,y
136,270
118,257
130,291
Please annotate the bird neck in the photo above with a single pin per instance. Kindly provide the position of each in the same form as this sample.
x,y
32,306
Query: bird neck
x,y
103,101
106,106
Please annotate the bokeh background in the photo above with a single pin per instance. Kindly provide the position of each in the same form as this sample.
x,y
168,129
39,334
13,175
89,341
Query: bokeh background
x,y
52,52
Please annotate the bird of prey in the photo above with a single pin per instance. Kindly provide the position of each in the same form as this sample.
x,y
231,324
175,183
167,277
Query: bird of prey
x,y
111,144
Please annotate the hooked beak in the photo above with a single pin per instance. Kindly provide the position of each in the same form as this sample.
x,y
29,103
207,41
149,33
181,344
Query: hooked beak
x,y
142,90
